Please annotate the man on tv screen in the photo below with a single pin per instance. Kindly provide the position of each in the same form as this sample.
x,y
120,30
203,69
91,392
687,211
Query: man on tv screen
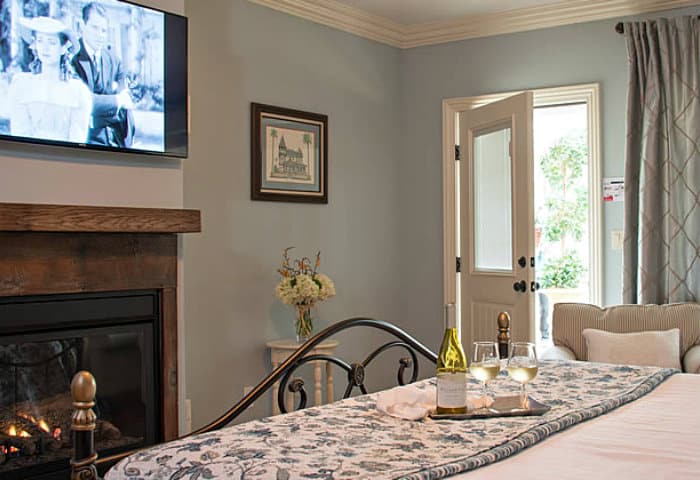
x,y
102,72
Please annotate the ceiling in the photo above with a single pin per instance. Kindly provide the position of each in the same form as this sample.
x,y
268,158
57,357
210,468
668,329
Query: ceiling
x,y
411,12
414,23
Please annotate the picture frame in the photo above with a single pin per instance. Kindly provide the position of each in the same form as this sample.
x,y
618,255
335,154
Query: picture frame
x,y
289,155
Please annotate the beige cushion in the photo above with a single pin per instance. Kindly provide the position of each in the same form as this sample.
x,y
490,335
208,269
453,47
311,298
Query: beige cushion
x,y
570,319
655,348
691,360
557,352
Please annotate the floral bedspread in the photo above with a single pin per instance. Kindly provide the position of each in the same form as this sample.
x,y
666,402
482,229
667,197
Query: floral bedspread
x,y
350,439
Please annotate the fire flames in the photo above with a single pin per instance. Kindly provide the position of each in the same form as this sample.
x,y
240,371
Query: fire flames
x,y
14,432
28,436
41,424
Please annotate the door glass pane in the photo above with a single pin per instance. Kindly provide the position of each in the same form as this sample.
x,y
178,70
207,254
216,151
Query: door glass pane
x,y
493,239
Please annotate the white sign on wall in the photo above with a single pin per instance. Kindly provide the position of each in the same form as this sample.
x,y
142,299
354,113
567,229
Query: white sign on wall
x,y
613,189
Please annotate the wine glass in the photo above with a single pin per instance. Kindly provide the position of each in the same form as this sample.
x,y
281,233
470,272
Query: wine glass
x,y
485,363
522,366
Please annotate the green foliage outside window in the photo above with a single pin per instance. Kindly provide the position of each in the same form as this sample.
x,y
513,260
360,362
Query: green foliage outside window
x,y
566,209
562,272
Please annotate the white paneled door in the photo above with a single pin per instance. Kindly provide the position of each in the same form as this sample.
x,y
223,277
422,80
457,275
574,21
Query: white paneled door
x,y
497,219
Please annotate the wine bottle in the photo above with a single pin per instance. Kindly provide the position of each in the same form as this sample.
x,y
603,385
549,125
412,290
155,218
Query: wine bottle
x,y
451,369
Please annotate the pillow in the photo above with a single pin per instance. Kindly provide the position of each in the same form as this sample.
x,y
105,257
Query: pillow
x,y
652,348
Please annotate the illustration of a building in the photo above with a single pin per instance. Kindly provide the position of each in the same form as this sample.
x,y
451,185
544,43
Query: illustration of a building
x,y
290,161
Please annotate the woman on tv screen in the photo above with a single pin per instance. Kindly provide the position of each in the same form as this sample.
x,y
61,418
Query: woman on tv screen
x,y
48,102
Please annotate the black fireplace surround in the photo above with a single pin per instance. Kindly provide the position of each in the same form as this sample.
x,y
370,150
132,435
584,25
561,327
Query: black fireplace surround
x,y
44,341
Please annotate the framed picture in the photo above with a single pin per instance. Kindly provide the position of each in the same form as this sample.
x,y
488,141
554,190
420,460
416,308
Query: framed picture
x,y
289,155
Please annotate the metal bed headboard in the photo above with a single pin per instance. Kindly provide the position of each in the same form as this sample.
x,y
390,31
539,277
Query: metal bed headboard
x,y
84,463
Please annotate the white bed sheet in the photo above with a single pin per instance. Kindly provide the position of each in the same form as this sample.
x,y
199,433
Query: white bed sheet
x,y
655,437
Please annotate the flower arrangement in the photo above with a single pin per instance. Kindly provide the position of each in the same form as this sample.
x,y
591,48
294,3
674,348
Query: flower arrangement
x,y
302,286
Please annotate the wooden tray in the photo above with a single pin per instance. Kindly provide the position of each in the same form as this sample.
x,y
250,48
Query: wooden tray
x,y
509,406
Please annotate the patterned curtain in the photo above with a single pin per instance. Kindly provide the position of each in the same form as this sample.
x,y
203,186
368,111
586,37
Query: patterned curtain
x,y
662,166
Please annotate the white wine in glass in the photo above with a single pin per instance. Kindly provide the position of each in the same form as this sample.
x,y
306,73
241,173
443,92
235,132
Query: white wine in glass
x,y
485,363
522,366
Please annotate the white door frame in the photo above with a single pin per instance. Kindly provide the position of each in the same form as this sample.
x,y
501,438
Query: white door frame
x,y
588,93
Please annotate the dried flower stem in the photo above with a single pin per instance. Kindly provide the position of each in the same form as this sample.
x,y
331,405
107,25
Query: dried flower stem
x,y
298,267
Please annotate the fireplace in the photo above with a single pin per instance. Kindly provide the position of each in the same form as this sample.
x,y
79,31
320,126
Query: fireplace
x,y
86,288
44,341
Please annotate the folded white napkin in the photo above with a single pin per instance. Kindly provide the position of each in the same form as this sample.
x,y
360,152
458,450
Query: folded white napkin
x,y
413,403
409,402
480,401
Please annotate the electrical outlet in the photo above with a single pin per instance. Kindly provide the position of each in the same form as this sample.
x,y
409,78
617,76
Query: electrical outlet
x,y
617,238
246,390
188,415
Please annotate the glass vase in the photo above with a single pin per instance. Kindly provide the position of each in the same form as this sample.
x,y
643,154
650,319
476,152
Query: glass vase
x,y
303,324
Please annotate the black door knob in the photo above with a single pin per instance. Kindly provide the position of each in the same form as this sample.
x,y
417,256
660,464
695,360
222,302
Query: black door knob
x,y
520,286
534,286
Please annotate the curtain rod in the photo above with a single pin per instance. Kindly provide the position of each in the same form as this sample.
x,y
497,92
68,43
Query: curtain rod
x,y
620,27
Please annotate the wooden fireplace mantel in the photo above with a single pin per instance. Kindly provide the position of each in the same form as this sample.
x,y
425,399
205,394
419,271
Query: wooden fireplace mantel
x,y
63,249
27,217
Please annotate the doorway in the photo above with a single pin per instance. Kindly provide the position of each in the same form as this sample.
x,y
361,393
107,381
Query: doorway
x,y
566,121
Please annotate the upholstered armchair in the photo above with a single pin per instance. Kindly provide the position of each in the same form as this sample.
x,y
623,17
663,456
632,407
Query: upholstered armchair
x,y
570,319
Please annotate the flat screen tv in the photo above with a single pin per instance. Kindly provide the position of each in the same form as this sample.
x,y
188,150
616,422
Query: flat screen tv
x,y
103,74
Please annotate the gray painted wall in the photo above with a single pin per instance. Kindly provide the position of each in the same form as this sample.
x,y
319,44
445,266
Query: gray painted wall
x,y
381,233
242,53
583,53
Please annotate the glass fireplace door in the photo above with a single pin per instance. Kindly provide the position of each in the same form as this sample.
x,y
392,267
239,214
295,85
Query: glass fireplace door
x,y
35,401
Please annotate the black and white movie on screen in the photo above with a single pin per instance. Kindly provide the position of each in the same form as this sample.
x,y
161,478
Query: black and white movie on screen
x,y
105,74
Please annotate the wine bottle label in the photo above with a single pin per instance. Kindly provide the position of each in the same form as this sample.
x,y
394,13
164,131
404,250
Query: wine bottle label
x,y
452,390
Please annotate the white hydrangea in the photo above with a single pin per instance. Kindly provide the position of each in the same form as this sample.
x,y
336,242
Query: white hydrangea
x,y
327,286
305,289
285,291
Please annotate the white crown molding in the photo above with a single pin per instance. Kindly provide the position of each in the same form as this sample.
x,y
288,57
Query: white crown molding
x,y
359,22
338,15
565,13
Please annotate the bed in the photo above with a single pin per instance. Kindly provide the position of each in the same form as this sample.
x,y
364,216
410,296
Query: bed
x,y
609,420
655,437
